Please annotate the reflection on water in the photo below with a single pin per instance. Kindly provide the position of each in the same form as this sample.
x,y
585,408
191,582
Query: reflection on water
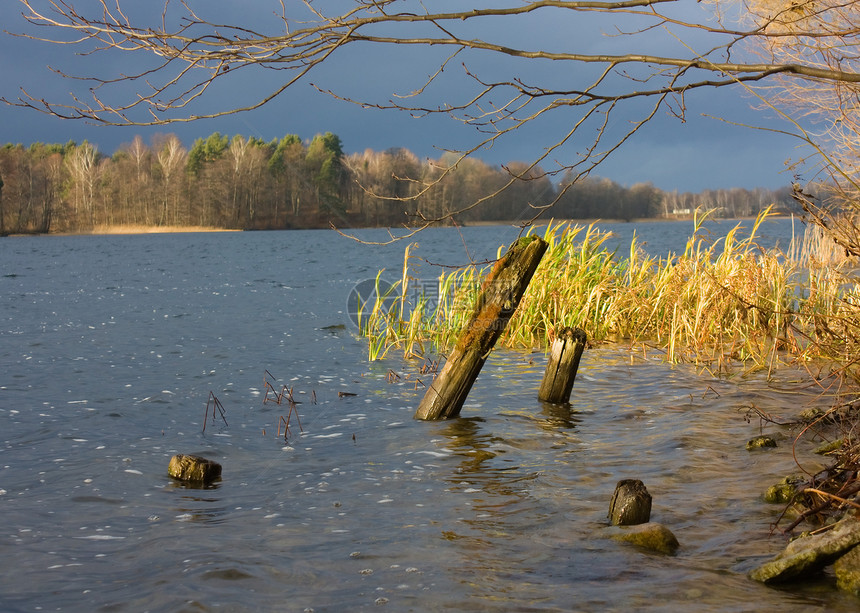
x,y
559,416
110,347
188,506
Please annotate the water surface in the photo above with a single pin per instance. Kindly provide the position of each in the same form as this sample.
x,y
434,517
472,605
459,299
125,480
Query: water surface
x,y
110,347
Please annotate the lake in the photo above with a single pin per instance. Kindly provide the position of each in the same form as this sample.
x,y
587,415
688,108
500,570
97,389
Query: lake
x,y
110,347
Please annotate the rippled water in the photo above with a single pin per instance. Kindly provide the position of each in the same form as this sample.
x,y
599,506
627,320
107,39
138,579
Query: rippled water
x,y
110,347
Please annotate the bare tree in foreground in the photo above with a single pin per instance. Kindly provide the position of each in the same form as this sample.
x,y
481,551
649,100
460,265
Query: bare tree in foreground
x,y
786,52
824,35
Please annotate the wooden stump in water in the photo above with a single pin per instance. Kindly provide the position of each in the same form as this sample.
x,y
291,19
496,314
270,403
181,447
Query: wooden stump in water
x,y
500,294
631,504
562,366
193,468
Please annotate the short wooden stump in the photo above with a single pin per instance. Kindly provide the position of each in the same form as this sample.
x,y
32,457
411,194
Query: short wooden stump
x,y
631,504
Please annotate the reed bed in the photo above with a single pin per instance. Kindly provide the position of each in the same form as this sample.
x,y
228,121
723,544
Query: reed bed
x,y
718,304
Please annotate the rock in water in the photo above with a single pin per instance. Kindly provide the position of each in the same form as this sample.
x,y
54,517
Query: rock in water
x,y
847,571
760,442
784,491
631,504
808,555
651,536
193,468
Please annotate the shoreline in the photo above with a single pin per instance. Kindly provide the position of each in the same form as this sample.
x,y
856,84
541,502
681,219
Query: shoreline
x,y
137,229
120,230
127,231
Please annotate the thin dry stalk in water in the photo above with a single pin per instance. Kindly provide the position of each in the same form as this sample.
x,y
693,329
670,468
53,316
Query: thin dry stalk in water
x,y
216,405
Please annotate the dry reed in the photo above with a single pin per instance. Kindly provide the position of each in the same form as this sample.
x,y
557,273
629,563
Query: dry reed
x,y
717,304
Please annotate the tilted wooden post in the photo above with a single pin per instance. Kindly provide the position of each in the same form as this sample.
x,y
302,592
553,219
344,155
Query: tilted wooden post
x,y
562,366
500,294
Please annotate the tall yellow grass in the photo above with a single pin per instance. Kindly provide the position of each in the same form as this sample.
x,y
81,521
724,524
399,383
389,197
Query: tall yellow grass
x,y
716,304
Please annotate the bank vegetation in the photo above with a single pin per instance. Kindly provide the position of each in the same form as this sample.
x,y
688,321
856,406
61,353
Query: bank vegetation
x,y
725,305
247,183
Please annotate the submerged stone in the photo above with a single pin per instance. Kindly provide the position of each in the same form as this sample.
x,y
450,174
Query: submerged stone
x,y
193,468
808,555
651,536
760,442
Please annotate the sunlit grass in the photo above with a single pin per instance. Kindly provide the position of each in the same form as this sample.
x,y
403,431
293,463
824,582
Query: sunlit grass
x,y
718,304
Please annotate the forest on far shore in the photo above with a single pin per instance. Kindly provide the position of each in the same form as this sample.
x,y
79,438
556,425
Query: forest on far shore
x,y
246,183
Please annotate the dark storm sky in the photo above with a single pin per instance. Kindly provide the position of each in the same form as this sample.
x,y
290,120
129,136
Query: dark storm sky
x,y
700,153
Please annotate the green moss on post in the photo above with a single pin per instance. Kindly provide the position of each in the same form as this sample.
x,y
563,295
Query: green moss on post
x,y
500,295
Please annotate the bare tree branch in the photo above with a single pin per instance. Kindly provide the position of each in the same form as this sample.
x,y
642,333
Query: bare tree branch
x,y
797,47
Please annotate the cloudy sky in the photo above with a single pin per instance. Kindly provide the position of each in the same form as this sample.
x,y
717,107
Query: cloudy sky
x,y
700,153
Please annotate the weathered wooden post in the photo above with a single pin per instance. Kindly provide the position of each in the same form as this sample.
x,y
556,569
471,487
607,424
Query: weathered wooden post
x,y
500,294
631,504
562,366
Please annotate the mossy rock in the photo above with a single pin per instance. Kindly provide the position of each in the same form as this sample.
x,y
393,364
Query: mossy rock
x,y
651,536
193,469
784,491
760,442
847,571
804,557
830,447
810,415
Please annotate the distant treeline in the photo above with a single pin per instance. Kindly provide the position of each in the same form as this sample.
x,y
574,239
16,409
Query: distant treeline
x,y
246,183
